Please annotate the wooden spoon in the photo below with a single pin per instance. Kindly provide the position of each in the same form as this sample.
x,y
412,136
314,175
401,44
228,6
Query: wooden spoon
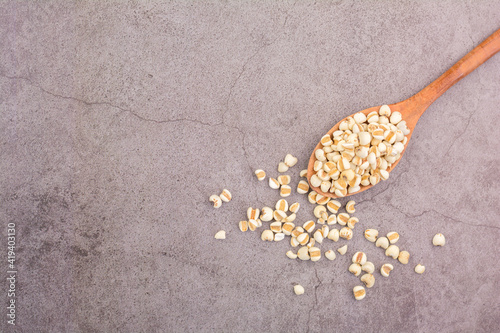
x,y
412,108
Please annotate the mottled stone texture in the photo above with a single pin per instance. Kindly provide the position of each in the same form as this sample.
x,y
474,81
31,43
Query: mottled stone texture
x,y
119,120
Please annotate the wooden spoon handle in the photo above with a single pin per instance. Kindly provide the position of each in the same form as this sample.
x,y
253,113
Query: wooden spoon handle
x,y
464,66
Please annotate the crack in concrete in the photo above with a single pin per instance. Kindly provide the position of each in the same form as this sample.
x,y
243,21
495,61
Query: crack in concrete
x,y
247,160
246,156
89,103
441,214
469,31
454,140
207,269
315,299
287,13
235,81
243,136
372,199
136,115
415,301
57,95
460,221
316,286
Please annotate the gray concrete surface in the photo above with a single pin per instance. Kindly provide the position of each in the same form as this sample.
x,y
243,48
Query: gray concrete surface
x,y
118,120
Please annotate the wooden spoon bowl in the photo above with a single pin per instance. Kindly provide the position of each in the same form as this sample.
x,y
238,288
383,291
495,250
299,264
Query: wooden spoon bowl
x,y
412,108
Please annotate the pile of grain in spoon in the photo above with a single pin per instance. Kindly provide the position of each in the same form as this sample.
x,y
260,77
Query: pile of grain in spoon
x,y
360,153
